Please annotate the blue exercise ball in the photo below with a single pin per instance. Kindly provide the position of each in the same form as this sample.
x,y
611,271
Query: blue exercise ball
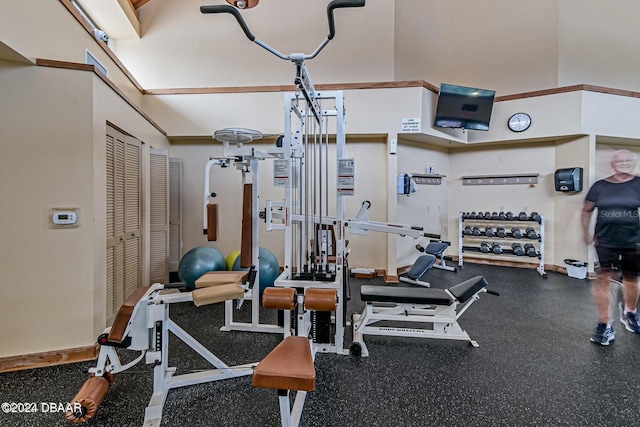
x,y
269,269
198,261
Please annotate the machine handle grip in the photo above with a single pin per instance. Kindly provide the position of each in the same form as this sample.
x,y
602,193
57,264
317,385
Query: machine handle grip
x,y
431,235
493,292
232,10
336,4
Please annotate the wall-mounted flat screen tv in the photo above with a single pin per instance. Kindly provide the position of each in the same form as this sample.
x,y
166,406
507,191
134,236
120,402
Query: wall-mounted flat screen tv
x,y
464,107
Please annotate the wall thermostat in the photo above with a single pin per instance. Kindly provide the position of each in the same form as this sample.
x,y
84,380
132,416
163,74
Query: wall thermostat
x,y
64,217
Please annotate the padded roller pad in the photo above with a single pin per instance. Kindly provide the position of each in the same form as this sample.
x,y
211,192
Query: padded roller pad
x,y
214,294
216,278
289,366
279,298
89,397
465,290
404,295
321,299
421,266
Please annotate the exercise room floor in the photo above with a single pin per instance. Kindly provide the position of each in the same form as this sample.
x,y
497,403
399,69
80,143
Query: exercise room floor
x,y
535,367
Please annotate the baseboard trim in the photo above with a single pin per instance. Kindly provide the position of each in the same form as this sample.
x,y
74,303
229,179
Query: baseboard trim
x,y
49,358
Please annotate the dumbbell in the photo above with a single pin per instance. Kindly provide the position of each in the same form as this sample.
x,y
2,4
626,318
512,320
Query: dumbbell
x,y
522,216
500,232
473,215
535,216
476,231
530,250
468,231
509,216
531,233
502,216
516,233
489,232
495,247
479,215
484,247
488,215
517,249
495,215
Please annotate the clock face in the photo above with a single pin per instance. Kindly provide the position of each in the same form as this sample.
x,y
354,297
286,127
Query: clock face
x,y
519,122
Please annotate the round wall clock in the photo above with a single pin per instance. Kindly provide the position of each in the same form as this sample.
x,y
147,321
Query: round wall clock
x,y
519,122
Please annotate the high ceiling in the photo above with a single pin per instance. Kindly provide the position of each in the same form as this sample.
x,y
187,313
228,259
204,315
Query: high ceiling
x,y
137,3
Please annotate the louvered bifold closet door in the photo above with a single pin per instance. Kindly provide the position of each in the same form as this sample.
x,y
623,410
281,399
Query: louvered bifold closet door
x,y
175,213
159,216
123,168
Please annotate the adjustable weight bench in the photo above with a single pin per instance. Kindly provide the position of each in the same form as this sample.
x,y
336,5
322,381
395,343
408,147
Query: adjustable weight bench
x,y
439,309
437,248
143,324
419,268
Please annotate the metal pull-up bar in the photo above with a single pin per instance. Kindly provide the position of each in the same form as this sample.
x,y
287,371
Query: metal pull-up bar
x,y
335,4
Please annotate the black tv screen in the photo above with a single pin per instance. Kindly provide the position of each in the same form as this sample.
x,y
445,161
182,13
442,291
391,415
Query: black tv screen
x,y
464,107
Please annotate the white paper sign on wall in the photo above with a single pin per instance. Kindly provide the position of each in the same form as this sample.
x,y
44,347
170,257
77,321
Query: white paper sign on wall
x,y
410,125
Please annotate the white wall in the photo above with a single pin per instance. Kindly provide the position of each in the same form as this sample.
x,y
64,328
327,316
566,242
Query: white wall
x,y
47,30
46,272
53,136
538,158
488,44
492,45
598,43
567,230
428,207
370,159
176,33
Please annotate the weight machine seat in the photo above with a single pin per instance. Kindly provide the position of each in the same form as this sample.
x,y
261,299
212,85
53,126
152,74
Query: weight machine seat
x,y
216,278
214,294
289,366
422,264
410,295
116,334
436,248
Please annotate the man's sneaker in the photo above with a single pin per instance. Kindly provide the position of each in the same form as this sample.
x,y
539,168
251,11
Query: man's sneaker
x,y
603,334
630,321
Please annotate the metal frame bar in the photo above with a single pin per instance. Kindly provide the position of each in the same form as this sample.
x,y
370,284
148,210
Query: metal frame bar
x,y
151,319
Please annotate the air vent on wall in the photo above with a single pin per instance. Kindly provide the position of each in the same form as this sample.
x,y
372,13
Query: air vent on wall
x,y
91,60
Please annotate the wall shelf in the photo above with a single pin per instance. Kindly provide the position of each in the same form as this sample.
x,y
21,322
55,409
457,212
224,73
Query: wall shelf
x,y
427,179
522,178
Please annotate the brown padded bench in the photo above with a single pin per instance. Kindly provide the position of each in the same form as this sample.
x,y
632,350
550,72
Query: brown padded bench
x,y
124,315
219,293
216,286
216,278
289,366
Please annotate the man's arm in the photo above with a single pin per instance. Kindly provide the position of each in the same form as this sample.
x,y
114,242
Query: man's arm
x,y
587,211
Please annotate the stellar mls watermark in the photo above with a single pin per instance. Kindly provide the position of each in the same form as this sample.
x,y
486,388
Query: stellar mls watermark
x,y
613,213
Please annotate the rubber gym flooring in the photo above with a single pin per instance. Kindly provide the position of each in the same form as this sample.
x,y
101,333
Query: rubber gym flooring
x,y
535,367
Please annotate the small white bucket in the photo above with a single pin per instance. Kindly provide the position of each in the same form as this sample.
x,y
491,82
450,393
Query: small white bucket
x,y
576,269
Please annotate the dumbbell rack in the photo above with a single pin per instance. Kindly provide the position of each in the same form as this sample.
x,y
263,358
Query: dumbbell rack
x,y
470,244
